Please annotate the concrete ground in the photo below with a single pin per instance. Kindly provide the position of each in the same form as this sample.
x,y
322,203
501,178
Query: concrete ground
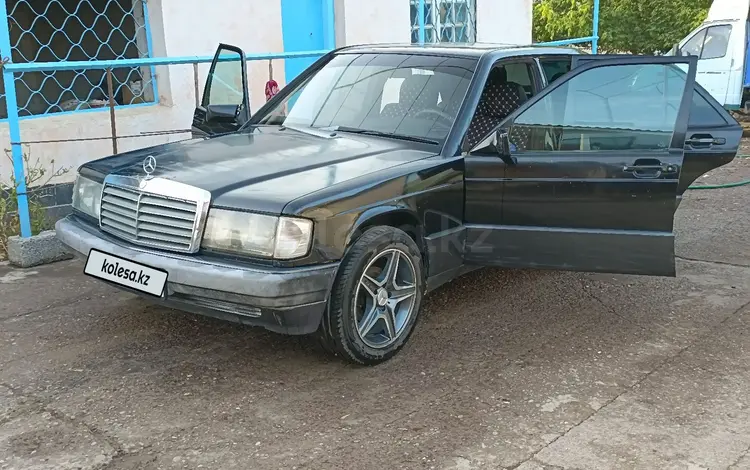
x,y
514,369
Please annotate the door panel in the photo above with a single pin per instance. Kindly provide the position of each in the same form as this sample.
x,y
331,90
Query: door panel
x,y
713,138
225,105
595,179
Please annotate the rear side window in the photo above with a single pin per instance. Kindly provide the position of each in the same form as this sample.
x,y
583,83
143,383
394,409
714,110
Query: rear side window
x,y
521,74
555,68
702,114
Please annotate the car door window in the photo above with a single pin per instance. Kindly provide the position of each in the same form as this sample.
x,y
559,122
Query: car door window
x,y
709,43
225,82
521,74
694,46
508,86
616,107
554,67
716,42
702,114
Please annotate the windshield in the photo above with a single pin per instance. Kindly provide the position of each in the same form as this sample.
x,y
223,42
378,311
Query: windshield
x,y
397,94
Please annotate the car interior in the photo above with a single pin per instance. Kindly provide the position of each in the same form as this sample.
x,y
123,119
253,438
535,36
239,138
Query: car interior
x,y
508,87
425,104
422,89
501,96
414,96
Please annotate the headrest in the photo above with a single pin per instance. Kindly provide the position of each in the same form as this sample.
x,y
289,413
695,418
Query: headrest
x,y
415,86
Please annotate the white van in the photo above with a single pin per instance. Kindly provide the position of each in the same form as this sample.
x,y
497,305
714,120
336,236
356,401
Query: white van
x,y
721,43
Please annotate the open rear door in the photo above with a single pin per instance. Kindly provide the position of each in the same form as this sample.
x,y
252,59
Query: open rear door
x,y
592,181
225,105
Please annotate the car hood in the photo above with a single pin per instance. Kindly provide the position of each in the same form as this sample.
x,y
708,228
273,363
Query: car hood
x,y
266,169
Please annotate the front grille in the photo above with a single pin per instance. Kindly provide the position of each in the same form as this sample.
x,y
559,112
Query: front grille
x,y
149,219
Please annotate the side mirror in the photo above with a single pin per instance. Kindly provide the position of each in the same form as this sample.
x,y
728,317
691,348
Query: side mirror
x,y
222,113
502,147
496,144
502,143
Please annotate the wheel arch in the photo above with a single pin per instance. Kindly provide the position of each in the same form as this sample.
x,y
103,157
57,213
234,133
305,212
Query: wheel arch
x,y
398,217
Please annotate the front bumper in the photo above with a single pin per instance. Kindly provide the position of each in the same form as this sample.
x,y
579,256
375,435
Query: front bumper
x,y
284,300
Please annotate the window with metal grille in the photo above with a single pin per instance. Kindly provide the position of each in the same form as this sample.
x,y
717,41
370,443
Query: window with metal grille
x,y
79,30
445,21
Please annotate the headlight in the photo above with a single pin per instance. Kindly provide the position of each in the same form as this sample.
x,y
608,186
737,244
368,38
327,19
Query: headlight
x,y
87,196
257,234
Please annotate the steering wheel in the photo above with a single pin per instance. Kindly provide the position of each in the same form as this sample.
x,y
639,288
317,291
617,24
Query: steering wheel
x,y
437,112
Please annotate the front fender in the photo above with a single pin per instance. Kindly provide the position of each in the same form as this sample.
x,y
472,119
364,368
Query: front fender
x,y
423,198
398,215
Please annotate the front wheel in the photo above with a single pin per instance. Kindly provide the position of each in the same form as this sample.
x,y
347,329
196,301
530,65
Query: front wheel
x,y
376,298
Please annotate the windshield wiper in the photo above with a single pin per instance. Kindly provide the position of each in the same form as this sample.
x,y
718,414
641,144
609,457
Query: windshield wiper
x,y
355,130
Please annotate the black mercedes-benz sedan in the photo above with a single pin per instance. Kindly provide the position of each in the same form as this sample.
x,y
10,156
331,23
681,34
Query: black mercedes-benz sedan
x,y
382,172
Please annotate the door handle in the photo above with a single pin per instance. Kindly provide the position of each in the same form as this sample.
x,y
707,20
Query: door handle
x,y
661,168
705,141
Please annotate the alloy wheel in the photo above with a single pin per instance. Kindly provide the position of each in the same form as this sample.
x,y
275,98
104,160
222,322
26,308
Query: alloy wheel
x,y
385,298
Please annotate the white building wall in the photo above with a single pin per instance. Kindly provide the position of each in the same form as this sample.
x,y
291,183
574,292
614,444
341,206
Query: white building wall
x,y
504,21
360,22
193,28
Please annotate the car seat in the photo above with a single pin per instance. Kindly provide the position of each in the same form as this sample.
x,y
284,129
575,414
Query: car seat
x,y
500,97
415,95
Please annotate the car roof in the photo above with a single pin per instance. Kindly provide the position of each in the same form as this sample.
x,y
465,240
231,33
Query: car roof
x,y
473,50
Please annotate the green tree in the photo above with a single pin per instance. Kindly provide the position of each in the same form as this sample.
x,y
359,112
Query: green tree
x,y
635,26
562,19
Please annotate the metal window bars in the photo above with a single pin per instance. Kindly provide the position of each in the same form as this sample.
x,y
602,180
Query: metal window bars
x,y
444,21
431,18
78,30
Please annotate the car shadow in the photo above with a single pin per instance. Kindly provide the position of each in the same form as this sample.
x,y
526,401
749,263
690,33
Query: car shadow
x,y
247,347
485,319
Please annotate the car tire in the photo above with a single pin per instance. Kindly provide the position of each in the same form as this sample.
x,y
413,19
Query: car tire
x,y
366,320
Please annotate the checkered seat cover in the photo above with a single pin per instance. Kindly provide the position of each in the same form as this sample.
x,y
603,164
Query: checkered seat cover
x,y
499,98
414,96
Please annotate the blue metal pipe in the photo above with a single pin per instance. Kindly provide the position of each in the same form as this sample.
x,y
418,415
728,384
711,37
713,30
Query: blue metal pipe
x,y
150,49
145,62
14,127
19,172
595,32
565,42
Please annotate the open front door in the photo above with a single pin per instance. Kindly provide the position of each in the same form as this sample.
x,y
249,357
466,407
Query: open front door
x,y
225,105
590,174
